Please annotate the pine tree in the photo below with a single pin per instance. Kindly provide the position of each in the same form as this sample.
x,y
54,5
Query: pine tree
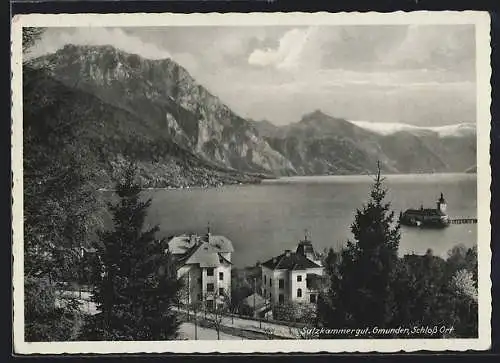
x,y
329,307
138,286
363,295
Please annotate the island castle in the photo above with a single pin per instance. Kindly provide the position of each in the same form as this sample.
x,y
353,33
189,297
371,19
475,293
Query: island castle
x,y
427,217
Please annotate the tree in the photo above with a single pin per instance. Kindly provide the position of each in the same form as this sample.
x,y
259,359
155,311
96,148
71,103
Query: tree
x,y
242,284
429,293
232,305
328,298
421,291
218,311
361,292
464,299
461,257
139,285
30,36
60,204
44,320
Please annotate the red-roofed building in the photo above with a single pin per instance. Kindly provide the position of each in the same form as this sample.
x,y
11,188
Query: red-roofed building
x,y
204,264
291,276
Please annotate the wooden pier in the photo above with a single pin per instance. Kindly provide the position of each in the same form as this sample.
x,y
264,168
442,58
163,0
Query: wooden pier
x,y
463,220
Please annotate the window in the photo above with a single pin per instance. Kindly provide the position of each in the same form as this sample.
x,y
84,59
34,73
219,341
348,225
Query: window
x,y
308,283
210,287
270,282
281,298
199,296
210,304
265,279
210,271
282,284
221,276
299,278
299,292
221,291
312,298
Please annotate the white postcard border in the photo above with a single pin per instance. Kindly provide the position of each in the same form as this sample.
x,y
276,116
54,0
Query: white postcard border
x,y
483,69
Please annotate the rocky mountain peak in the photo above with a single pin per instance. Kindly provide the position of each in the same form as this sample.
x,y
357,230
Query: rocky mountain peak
x,y
170,101
314,116
172,107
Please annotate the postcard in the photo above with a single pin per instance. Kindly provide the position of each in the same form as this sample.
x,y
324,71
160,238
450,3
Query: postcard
x,y
278,182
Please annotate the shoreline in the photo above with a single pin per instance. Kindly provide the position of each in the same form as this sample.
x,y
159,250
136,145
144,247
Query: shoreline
x,y
278,179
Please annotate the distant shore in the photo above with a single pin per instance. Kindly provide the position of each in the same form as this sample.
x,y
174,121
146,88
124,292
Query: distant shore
x,y
275,179
198,186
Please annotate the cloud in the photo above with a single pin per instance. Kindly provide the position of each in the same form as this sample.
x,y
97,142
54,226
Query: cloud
x,y
435,47
56,38
328,47
290,52
398,73
371,48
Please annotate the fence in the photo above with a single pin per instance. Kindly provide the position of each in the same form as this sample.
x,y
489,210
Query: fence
x,y
288,323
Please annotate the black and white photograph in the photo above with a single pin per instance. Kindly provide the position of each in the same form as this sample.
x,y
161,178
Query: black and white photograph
x,y
251,182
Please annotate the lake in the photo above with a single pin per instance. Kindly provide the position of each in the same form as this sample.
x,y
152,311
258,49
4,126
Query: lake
x,y
264,219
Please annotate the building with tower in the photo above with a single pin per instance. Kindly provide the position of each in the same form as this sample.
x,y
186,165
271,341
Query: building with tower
x,y
293,276
204,265
427,217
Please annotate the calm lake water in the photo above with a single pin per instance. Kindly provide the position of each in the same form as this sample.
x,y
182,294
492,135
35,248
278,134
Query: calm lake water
x,y
263,220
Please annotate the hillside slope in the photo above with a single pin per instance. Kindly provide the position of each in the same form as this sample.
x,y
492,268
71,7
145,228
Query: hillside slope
x,y
165,97
113,135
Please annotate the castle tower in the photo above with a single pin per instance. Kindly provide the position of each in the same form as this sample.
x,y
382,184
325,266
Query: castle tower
x,y
441,204
306,249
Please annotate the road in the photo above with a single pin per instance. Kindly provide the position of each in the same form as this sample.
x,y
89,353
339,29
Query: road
x,y
275,329
283,331
187,331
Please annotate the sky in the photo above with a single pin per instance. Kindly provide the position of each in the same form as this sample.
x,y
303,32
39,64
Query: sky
x,y
416,74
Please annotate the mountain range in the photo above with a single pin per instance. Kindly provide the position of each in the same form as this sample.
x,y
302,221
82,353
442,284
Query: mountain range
x,y
155,112
321,144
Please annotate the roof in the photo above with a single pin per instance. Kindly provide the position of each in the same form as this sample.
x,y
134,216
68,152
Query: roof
x,y
207,251
220,243
206,258
424,212
290,261
181,244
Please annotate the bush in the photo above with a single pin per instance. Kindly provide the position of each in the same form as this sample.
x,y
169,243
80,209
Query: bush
x,y
295,312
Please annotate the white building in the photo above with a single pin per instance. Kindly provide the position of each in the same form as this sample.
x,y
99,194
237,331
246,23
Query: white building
x,y
292,276
204,265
